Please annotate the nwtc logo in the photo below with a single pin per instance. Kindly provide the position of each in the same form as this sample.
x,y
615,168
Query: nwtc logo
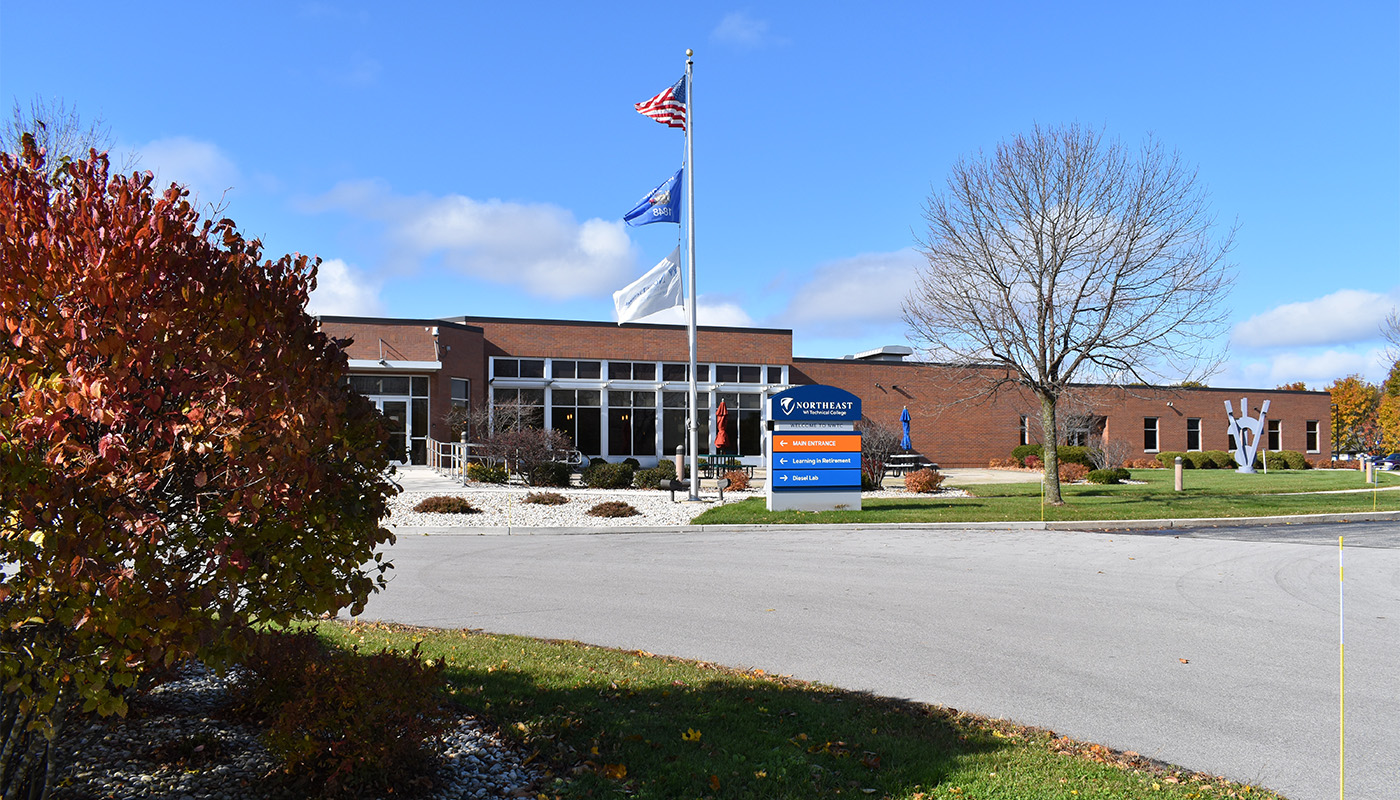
x,y
816,403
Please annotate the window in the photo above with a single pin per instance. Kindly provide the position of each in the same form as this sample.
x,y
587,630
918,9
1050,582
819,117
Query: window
x,y
1149,434
750,374
577,414
1193,433
631,371
674,373
1025,429
517,367
675,407
726,373
587,370
513,409
1312,436
744,422
1275,434
775,375
461,392
631,423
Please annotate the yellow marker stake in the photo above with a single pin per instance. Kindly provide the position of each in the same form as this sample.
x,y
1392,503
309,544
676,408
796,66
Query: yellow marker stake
x,y
1342,654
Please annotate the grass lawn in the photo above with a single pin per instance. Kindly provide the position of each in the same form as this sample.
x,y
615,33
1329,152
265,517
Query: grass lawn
x,y
1207,493
610,723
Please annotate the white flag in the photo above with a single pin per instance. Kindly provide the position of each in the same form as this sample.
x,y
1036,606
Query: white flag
x,y
655,291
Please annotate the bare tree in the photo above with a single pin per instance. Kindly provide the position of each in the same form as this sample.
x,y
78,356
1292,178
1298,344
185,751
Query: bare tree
x,y
58,132
1063,256
877,444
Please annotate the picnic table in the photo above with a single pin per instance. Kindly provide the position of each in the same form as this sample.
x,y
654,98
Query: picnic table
x,y
716,469
902,463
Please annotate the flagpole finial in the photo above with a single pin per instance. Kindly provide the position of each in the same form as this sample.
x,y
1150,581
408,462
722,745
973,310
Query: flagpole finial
x,y
689,52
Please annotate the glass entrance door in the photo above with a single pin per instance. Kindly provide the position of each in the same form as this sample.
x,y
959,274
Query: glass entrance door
x,y
396,420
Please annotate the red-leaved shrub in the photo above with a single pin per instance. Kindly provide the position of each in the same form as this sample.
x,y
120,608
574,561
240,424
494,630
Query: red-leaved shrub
x,y
1073,473
345,724
1034,462
923,481
738,479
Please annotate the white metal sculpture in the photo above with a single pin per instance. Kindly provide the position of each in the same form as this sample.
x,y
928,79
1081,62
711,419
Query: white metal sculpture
x,y
1246,447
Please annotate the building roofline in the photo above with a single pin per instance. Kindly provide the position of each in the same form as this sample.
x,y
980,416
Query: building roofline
x,y
598,324
397,321
797,360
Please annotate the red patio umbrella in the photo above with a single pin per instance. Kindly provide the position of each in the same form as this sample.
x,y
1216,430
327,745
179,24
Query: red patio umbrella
x,y
721,433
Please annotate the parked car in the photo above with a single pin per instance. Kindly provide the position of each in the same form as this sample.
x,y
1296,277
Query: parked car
x,y
1391,461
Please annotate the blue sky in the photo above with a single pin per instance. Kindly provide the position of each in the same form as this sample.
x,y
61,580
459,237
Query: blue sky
x,y
476,158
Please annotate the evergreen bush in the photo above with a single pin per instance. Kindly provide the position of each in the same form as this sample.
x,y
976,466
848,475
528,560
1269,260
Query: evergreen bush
x,y
608,476
481,473
652,478
1104,476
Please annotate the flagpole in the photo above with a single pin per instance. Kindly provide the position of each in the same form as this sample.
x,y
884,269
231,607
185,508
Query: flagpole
x,y
690,257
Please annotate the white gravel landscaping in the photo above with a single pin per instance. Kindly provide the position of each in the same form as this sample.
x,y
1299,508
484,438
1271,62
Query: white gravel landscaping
x,y
504,507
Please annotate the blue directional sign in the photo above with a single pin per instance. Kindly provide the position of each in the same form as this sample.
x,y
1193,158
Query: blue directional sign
x,y
787,479
816,460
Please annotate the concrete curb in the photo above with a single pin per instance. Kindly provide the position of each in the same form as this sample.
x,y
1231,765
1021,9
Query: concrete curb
x,y
1082,525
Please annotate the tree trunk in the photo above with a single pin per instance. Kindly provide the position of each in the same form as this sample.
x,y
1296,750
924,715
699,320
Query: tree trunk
x,y
1050,454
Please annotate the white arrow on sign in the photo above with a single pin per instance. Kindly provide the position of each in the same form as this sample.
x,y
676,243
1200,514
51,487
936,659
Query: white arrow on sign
x,y
782,477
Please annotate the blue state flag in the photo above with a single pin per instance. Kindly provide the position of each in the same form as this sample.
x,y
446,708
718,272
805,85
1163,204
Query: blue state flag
x,y
662,204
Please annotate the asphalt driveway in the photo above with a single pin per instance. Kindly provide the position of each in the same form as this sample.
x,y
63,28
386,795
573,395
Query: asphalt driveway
x,y
1217,654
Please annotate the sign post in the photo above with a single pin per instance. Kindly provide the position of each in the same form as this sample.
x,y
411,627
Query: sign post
x,y
814,458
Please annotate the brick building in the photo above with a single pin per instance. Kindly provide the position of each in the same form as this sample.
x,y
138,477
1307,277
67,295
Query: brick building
x,y
620,391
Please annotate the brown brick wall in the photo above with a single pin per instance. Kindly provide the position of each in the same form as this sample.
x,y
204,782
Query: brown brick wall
x,y
593,340
955,431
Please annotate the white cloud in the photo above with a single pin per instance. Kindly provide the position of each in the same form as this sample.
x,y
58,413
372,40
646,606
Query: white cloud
x,y
201,166
866,291
739,28
343,290
719,313
538,246
1316,367
1348,315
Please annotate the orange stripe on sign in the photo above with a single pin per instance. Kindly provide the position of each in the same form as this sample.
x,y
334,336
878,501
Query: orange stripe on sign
x,y
816,442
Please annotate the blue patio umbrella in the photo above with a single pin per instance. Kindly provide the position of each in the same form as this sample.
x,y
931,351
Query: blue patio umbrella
x,y
905,443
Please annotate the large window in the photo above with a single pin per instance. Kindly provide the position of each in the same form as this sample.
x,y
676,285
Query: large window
x,y
512,409
744,422
584,370
675,407
1275,434
1313,445
1149,434
461,392
631,423
1193,433
631,371
578,414
518,367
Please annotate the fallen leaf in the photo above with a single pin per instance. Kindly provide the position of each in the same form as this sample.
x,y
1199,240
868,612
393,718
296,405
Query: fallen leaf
x,y
1184,661
714,782
615,771
691,735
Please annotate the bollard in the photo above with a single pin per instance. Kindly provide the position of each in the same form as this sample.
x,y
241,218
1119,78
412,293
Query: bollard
x,y
680,462
1178,473
1370,469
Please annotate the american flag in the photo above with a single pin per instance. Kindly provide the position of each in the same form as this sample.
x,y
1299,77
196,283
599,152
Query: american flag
x,y
668,108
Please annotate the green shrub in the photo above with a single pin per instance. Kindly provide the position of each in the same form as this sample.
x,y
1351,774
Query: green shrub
x,y
551,473
923,481
1104,476
608,476
545,499
342,723
1202,459
481,473
613,508
632,462
595,461
1275,460
1222,459
1074,454
1297,460
1022,451
445,504
652,478
1122,473
1168,460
